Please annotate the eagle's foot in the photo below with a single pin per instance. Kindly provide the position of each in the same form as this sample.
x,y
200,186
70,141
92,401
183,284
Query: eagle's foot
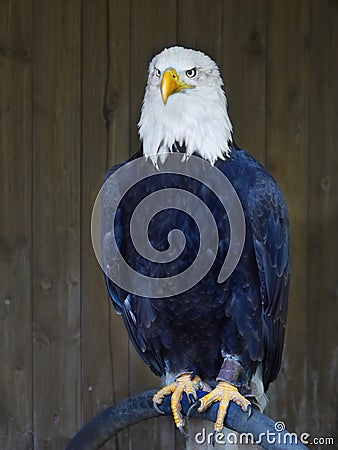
x,y
223,393
183,383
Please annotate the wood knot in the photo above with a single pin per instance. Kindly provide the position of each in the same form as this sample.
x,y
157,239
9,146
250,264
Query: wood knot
x,y
256,45
110,106
46,284
326,183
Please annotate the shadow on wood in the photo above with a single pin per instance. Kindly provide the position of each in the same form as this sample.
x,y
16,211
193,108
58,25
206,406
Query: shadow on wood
x,y
140,407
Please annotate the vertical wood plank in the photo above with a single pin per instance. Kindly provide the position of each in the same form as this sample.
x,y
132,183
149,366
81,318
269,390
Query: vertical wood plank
x,y
287,143
56,227
244,71
15,224
105,125
117,107
96,355
117,99
199,26
148,36
323,222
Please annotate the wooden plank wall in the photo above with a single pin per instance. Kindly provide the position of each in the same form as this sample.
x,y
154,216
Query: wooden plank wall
x,y
16,386
72,76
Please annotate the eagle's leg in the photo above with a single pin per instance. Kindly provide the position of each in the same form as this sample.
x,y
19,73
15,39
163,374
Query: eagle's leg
x,y
229,379
185,382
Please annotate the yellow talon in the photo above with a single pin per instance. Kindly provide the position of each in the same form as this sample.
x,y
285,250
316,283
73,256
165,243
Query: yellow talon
x,y
183,383
223,393
164,392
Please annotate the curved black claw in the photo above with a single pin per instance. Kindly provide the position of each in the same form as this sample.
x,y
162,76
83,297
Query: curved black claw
x,y
157,409
193,406
213,439
182,431
249,410
191,398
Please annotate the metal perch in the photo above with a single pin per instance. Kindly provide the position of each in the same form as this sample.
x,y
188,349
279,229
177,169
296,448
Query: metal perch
x,y
140,407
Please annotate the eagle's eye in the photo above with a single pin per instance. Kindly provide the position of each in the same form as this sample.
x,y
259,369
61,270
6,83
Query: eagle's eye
x,y
191,73
157,73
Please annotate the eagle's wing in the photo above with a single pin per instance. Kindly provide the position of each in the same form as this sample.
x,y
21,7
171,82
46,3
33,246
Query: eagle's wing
x,y
112,231
123,302
270,233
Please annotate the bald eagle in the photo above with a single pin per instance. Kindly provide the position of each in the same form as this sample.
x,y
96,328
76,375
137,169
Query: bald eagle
x,y
225,338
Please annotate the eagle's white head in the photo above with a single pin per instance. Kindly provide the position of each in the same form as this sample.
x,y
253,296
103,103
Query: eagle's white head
x,y
184,104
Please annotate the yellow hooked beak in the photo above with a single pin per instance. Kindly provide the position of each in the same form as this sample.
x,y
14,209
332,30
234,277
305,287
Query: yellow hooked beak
x,y
171,84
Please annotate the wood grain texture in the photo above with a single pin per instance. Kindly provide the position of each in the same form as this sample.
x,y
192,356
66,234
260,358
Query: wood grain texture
x,y
15,225
97,361
244,52
117,114
56,222
287,160
322,222
72,78
199,26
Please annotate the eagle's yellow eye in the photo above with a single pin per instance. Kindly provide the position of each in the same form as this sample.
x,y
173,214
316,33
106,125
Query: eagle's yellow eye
x,y
157,73
191,73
